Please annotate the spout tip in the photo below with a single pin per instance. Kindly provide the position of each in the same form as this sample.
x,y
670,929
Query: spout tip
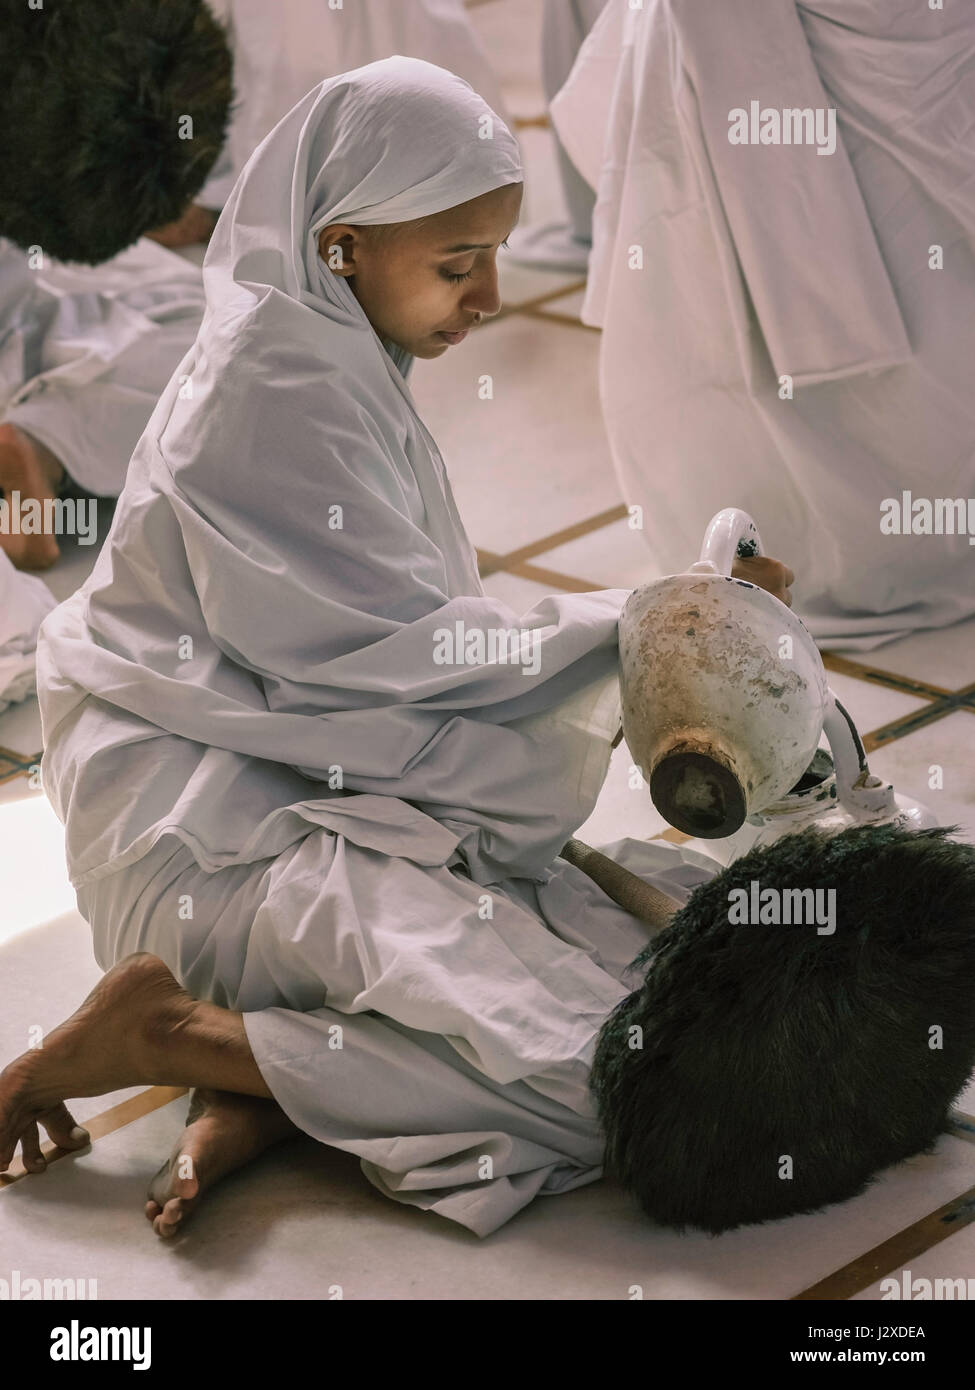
x,y
698,794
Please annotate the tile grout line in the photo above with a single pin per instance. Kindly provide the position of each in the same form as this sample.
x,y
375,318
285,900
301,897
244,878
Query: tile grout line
x,y
574,531
565,583
892,1254
567,320
907,685
105,1123
510,310
909,724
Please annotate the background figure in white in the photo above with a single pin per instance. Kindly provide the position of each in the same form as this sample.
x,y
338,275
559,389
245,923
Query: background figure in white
x,y
24,603
561,245
786,329
281,51
86,350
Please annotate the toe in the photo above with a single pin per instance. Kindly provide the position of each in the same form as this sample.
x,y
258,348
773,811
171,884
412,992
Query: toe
x,y
159,1186
60,1125
30,1146
168,1222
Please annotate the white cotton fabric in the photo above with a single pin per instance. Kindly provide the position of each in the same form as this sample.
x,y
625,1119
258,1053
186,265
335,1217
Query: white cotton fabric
x,y
282,50
312,648
203,768
86,351
24,602
761,261
391,1018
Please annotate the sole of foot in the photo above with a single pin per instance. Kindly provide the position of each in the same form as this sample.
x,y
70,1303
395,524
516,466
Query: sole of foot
x,y
223,1133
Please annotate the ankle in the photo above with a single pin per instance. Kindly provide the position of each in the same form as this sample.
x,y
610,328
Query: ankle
x,y
162,1040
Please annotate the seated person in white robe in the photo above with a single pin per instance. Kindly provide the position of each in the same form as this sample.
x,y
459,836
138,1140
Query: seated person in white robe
x,y
783,268
131,165
320,835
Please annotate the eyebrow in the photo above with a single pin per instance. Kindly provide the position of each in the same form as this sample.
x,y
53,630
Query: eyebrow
x,y
468,246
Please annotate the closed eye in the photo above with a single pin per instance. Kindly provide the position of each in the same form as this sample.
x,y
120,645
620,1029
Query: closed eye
x,y
467,274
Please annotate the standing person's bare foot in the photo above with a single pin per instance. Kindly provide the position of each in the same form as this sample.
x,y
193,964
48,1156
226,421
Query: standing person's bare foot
x,y
30,469
223,1132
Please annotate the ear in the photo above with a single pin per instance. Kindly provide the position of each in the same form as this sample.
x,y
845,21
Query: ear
x,y
337,248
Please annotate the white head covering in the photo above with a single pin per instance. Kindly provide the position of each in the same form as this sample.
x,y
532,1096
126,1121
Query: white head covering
x,y
288,522
389,142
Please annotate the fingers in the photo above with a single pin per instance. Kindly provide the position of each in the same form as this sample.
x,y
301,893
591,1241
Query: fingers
x,y
788,579
768,574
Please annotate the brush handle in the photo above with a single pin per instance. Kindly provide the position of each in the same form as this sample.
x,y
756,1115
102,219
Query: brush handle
x,y
625,888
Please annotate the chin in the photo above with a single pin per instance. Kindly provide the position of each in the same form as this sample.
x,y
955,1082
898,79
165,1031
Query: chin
x,y
429,349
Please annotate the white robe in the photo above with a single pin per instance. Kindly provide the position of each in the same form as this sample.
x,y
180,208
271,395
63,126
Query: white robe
x,y
231,652
720,269
392,1018
85,351
24,602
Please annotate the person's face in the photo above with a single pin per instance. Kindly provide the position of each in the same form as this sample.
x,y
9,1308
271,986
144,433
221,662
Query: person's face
x,y
437,275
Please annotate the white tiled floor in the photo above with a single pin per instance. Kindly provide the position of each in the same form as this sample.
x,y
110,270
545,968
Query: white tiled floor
x,y
570,304
551,467
524,465
614,555
872,706
303,1219
943,657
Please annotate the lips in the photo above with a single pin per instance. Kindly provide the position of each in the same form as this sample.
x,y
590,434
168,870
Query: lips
x,y
455,337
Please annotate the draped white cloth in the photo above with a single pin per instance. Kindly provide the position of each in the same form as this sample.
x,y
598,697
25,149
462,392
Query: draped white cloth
x,y
391,1018
24,602
282,50
719,269
230,650
313,648
85,351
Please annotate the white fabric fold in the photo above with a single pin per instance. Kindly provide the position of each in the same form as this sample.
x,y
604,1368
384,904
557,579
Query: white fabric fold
x,y
774,331
24,602
234,661
463,1037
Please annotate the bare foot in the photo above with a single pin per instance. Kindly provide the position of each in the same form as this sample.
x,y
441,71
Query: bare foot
x,y
113,1040
223,1132
28,468
196,225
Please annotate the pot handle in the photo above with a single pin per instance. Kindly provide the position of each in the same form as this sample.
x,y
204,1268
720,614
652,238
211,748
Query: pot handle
x,y
731,534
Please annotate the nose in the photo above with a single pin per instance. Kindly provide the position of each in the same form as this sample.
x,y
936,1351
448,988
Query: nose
x,y
483,296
